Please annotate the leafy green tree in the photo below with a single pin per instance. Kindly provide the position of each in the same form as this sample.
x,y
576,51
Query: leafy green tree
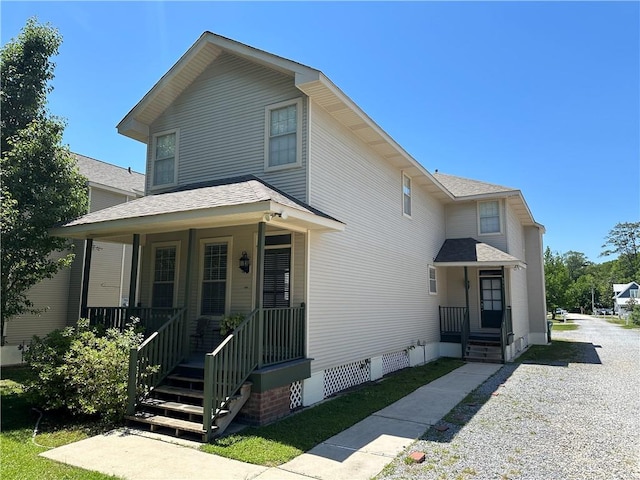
x,y
576,263
624,240
40,183
556,275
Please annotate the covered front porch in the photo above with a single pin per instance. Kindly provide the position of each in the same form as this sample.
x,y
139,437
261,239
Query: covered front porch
x,y
200,256
477,314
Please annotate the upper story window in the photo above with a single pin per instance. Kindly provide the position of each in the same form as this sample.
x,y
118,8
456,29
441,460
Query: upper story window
x,y
164,161
283,135
406,194
489,217
433,280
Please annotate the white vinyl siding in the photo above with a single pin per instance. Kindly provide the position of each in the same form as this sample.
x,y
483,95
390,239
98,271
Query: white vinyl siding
x,y
366,284
462,222
221,117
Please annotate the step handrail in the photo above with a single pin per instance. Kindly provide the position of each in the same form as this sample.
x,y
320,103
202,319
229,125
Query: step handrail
x,y
228,367
165,348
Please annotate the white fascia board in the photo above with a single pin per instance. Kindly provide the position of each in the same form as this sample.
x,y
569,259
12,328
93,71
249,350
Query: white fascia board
x,y
309,221
507,263
132,128
342,97
119,191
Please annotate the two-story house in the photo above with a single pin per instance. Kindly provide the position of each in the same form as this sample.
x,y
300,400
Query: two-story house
x,y
59,298
270,193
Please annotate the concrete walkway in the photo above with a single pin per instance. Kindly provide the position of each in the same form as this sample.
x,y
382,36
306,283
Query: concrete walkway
x,y
358,453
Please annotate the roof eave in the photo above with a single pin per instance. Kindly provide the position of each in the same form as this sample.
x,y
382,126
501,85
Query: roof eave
x,y
516,264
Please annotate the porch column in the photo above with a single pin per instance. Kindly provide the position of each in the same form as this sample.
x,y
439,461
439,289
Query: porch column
x,y
259,289
86,271
133,281
187,287
466,288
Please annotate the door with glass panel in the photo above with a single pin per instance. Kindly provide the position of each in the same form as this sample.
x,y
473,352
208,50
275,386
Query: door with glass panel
x,y
491,298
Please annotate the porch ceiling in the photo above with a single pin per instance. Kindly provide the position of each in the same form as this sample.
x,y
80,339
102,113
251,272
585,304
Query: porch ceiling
x,y
469,252
239,201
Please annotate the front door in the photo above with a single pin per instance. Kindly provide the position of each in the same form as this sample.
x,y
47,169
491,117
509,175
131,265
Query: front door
x,y
491,298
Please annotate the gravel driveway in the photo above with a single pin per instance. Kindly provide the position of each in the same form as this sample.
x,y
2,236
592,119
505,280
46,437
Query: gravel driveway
x,y
567,421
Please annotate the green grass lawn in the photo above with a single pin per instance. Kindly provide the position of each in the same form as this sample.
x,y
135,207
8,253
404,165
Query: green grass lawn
x,y
563,326
620,321
282,441
557,351
19,450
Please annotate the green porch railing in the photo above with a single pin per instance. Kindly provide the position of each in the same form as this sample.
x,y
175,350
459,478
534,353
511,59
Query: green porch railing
x,y
283,335
227,368
151,318
165,348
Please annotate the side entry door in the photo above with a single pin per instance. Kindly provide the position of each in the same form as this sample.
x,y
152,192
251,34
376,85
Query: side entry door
x,y
491,298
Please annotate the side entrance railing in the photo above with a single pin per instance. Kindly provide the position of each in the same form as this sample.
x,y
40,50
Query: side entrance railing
x,y
506,332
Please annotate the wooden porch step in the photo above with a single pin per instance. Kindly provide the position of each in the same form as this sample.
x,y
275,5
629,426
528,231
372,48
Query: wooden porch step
x,y
156,421
173,406
185,379
179,392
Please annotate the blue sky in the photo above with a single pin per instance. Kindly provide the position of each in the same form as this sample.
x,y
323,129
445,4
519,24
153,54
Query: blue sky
x,y
544,96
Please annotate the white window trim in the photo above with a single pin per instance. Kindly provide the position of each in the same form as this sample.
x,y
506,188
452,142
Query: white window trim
x,y
230,257
500,218
267,123
154,247
152,156
408,215
432,268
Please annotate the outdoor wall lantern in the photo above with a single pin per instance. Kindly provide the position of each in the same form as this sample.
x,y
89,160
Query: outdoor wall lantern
x,y
244,262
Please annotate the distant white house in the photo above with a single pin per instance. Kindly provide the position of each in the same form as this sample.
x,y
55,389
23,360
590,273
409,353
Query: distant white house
x,y
623,295
108,185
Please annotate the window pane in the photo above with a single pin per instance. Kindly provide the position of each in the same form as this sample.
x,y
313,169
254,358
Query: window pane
x,y
165,146
406,195
276,287
215,261
282,136
213,298
162,295
163,171
165,264
489,217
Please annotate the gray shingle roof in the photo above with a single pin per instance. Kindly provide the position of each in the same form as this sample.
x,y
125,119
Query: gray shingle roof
x,y
465,187
236,191
470,250
110,175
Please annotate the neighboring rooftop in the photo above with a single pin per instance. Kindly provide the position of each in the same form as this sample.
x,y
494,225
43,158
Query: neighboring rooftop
x,y
465,187
109,175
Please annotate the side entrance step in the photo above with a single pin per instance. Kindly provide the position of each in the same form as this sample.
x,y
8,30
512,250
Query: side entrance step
x,y
483,351
175,406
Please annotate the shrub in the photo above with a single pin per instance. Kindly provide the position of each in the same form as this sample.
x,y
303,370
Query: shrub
x,y
634,315
83,370
230,322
